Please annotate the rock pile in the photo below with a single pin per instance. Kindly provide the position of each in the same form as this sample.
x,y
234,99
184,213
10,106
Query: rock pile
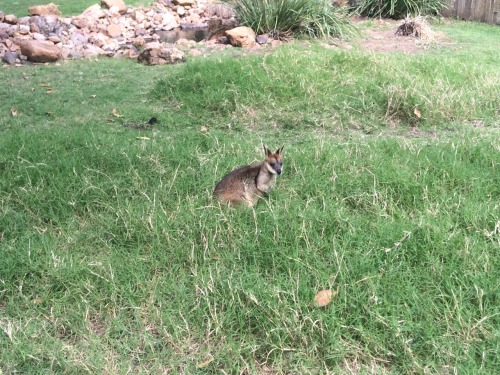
x,y
110,28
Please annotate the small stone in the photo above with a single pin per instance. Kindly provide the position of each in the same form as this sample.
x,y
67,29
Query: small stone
x,y
114,30
181,10
94,11
10,58
38,36
44,10
24,29
139,16
10,19
54,39
262,39
122,8
185,2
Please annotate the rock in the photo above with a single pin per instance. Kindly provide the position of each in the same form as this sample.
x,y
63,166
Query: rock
x,y
195,52
44,10
94,12
139,16
4,35
81,22
38,36
184,43
40,51
184,3
122,8
181,10
168,21
47,25
262,39
242,36
160,56
223,40
10,58
10,19
23,29
114,30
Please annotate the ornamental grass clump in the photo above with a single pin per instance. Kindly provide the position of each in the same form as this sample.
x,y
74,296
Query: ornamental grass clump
x,y
284,19
399,8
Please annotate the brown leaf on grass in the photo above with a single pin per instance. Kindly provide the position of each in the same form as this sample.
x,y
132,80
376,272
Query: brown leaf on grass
x,y
13,112
49,90
115,113
417,112
204,129
324,297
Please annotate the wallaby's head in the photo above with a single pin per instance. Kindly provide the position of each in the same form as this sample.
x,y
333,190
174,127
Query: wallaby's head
x,y
274,160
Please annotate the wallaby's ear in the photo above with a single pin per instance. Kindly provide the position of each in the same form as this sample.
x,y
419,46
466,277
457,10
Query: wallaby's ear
x,y
267,151
279,151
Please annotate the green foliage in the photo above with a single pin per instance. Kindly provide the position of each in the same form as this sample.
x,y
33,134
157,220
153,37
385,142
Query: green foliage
x,y
284,18
299,87
399,8
115,259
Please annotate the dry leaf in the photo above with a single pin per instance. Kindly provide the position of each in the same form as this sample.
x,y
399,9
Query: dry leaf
x,y
32,89
143,138
205,363
49,90
417,112
324,297
115,113
204,129
44,85
13,112
92,96
38,300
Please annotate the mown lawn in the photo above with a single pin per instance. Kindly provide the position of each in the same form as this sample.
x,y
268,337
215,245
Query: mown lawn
x,y
114,258
67,7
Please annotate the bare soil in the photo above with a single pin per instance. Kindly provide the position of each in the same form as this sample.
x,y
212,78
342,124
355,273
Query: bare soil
x,y
381,36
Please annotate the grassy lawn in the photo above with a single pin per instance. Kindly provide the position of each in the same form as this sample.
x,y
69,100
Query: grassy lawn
x,y
67,7
114,258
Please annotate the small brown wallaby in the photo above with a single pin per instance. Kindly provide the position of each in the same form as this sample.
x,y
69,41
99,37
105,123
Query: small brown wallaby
x,y
248,183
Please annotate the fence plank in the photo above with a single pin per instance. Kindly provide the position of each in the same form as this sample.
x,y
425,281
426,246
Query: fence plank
x,y
473,10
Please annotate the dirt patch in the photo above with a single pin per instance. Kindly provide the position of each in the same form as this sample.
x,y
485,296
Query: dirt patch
x,y
380,36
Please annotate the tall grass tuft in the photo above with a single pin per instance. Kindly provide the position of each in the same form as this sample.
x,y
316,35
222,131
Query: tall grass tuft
x,y
399,8
284,18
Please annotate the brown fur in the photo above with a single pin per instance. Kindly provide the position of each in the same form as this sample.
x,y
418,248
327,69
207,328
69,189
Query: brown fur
x,y
250,182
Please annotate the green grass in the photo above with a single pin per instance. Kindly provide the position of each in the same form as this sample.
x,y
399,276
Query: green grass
x,y
67,7
115,259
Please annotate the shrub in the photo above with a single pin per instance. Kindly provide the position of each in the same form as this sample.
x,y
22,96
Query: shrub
x,y
399,8
286,18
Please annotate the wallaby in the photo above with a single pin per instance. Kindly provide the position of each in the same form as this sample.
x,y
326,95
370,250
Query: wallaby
x,y
247,184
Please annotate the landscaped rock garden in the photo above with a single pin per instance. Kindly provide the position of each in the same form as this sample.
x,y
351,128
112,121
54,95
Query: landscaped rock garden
x,y
157,34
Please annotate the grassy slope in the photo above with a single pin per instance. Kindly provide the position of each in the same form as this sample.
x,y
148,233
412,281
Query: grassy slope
x,y
67,7
114,258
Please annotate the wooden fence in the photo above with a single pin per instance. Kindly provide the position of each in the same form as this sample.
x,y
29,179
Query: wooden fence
x,y
474,10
